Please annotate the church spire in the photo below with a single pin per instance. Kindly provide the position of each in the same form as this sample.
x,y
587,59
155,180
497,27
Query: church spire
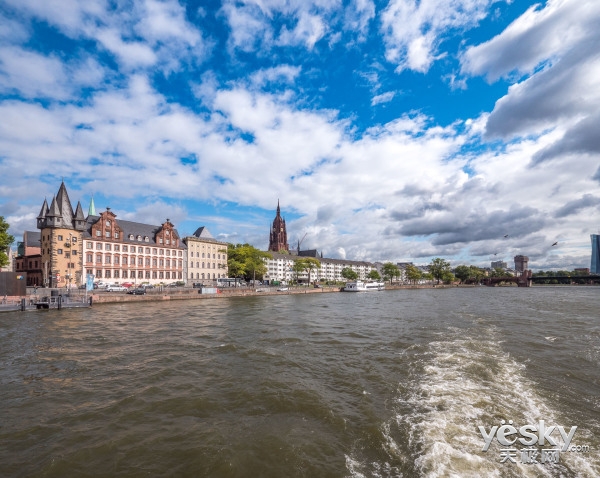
x,y
92,208
278,236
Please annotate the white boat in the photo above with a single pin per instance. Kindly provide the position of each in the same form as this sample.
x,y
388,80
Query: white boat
x,y
360,286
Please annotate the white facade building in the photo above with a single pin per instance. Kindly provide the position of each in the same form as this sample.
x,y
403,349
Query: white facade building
x,y
279,268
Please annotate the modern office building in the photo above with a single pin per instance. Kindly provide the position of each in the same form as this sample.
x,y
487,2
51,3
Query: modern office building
x,y
499,265
595,265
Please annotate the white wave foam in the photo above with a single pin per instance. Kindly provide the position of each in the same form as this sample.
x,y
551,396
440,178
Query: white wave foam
x,y
465,383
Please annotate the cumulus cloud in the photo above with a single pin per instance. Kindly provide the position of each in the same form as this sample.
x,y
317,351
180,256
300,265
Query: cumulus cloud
x,y
414,31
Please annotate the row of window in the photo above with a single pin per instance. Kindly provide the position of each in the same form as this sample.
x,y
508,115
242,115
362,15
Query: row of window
x,y
214,256
202,276
205,265
131,237
132,260
140,250
117,274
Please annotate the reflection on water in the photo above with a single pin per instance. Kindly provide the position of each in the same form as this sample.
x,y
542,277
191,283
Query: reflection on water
x,y
392,383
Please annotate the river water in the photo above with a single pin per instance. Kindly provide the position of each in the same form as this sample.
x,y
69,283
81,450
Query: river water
x,y
381,384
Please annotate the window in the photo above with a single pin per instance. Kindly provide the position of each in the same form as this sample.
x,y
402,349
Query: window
x,y
98,246
124,274
124,248
146,239
167,242
214,256
60,237
140,261
161,275
147,274
197,265
154,274
107,234
139,238
74,253
124,260
73,239
131,237
154,262
203,255
67,255
107,274
162,252
168,252
141,250
147,250
116,276
89,245
203,265
117,247
148,261
160,240
89,271
107,260
107,223
168,276
162,263
107,247
116,260
140,274
99,273
116,235
59,251
98,233
99,259
154,251
168,263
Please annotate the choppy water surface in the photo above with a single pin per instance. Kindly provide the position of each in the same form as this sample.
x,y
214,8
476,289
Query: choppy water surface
x,y
381,384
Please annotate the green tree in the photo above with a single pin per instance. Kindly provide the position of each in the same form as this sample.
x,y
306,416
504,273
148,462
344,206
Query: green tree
x,y
374,275
307,264
413,273
298,268
244,260
390,271
5,241
438,267
463,273
349,274
448,277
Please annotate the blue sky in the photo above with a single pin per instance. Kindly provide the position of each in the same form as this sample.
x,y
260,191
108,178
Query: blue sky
x,y
388,130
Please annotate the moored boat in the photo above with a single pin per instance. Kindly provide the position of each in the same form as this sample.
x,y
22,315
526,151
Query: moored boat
x,y
360,286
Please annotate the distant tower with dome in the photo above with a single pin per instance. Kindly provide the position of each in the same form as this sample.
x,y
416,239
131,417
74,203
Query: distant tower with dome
x,y
278,236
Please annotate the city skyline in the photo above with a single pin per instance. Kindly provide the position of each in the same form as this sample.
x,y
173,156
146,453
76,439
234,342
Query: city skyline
x,y
387,130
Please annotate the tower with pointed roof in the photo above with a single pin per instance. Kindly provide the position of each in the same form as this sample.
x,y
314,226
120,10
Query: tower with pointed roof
x,y
278,235
61,240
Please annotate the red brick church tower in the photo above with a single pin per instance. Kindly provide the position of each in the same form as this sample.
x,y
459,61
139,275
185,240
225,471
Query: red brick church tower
x,y
278,237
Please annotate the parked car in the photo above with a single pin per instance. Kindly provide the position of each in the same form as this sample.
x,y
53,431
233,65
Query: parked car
x,y
116,288
137,291
127,284
282,289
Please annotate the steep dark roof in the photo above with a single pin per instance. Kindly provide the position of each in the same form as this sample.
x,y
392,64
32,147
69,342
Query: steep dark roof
x,y
135,228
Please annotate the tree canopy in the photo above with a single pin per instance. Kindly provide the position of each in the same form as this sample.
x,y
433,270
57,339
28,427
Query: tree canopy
x,y
244,260
349,274
374,275
390,270
307,264
439,268
5,241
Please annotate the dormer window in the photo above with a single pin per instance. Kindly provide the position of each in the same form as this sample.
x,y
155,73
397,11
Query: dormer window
x,y
107,223
139,238
146,239
131,237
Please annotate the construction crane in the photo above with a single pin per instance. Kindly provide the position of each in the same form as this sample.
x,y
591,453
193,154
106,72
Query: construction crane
x,y
301,240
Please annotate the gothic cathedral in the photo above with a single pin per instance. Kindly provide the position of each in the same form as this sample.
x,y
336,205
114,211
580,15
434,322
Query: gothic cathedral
x,y
278,237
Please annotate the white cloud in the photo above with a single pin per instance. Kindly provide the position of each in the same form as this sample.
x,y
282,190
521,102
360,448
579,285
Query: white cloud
x,y
537,36
383,98
414,31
